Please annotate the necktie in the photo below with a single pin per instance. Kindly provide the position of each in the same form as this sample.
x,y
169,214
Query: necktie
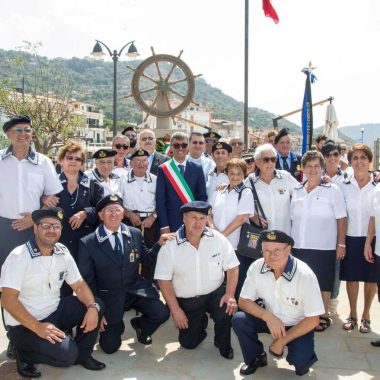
x,y
118,248
181,169
285,165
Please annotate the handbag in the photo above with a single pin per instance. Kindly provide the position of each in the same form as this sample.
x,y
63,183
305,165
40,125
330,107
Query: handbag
x,y
249,244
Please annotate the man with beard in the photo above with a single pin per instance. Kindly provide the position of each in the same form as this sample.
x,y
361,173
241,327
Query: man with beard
x,y
131,133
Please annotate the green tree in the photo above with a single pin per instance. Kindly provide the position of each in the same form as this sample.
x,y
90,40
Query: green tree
x,y
47,101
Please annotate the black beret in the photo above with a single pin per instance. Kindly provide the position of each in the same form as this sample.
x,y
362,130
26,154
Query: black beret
x,y
221,145
52,212
213,135
103,153
198,206
282,133
20,119
139,153
275,236
130,128
329,146
111,199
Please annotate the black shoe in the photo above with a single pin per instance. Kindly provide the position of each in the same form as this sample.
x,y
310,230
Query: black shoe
x,y
375,343
141,337
248,369
92,364
11,351
25,369
228,354
301,373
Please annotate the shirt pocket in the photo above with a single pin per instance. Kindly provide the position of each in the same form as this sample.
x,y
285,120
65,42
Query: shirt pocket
x,y
214,270
292,302
36,183
321,206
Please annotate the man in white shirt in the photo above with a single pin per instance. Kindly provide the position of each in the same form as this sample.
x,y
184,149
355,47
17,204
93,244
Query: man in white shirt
x,y
291,303
190,271
26,177
197,147
35,315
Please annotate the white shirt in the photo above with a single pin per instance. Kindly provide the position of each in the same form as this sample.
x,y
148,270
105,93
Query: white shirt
x,y
111,187
139,193
292,297
213,181
314,216
359,203
24,182
38,278
226,206
195,272
375,212
207,164
275,198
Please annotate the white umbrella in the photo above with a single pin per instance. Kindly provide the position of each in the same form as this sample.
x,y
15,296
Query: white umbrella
x,y
331,123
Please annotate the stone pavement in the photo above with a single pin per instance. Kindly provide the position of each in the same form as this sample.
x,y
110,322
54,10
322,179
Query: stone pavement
x,y
342,355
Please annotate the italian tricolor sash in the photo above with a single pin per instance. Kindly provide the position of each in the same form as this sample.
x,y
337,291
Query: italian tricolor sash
x,y
178,182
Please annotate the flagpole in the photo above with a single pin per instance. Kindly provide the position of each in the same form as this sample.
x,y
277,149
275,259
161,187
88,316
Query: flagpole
x,y
246,44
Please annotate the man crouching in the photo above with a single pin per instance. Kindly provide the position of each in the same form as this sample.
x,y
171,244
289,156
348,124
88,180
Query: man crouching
x,y
36,317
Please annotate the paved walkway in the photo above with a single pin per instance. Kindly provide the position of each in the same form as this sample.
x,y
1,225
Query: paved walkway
x,y
341,355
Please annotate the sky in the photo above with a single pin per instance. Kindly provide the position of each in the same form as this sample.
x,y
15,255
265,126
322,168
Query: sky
x,y
340,37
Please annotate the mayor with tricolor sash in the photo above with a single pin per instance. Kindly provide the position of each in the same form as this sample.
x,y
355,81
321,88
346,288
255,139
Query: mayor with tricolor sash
x,y
178,182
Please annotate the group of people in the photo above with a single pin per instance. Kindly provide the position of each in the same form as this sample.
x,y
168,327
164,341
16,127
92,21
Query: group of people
x,y
79,248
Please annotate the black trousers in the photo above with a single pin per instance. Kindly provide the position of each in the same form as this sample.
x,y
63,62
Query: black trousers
x,y
70,313
195,309
154,314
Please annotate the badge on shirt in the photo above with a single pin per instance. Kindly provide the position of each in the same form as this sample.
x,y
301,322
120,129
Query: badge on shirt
x,y
292,300
132,257
282,191
216,254
61,275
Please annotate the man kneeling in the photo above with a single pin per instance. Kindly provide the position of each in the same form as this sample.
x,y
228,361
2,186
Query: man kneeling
x,y
190,272
35,315
289,293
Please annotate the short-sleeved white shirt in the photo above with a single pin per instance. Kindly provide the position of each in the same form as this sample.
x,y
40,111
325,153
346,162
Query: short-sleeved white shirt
x,y
226,206
292,297
24,182
195,272
139,194
213,181
275,198
111,187
375,212
38,278
359,203
314,216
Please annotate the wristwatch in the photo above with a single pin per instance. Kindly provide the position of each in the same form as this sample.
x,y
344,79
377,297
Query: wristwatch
x,y
94,305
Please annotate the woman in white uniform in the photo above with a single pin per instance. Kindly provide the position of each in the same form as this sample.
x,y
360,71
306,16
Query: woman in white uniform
x,y
318,215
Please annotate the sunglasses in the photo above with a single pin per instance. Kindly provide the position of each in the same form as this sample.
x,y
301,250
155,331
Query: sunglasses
x,y
267,159
48,226
119,146
236,143
71,158
19,130
177,145
249,161
197,142
335,154
150,138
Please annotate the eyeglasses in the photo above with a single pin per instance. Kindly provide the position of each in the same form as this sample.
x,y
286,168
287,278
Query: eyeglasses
x,y
177,145
19,130
119,146
116,211
267,159
249,161
275,252
356,158
72,158
48,226
334,154
197,142
149,138
211,141
236,143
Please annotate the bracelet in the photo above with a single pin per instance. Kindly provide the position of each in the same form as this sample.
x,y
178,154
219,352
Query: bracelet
x,y
342,245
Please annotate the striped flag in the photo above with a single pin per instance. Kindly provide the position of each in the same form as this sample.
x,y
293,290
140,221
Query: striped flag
x,y
166,150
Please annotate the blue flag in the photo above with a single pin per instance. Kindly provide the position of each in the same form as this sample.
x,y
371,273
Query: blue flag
x,y
307,111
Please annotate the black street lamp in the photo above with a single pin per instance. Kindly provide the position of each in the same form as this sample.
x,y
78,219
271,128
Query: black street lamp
x,y
97,52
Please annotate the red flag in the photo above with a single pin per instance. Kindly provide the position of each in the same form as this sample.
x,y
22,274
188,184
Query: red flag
x,y
269,11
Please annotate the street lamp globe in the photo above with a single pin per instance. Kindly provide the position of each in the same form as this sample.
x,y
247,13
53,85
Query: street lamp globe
x,y
97,51
132,51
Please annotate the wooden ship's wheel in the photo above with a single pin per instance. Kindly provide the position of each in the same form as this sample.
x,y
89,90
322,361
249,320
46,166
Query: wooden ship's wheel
x,y
163,86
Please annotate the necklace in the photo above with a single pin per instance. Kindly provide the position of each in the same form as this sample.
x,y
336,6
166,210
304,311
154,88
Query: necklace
x,y
76,197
